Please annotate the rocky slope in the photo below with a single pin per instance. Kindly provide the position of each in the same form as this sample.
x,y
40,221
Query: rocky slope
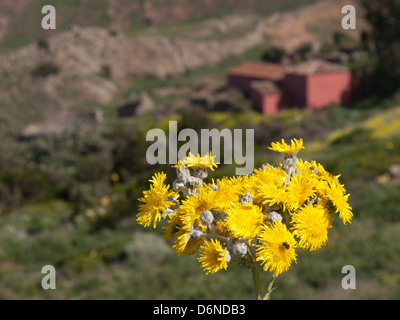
x,y
84,67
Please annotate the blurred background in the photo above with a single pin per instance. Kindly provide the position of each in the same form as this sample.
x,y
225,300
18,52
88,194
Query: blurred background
x,y
76,104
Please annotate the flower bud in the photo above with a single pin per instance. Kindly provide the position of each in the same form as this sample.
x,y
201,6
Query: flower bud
x,y
183,173
290,160
214,187
175,204
178,185
196,233
200,173
195,182
227,256
237,247
206,218
273,215
246,198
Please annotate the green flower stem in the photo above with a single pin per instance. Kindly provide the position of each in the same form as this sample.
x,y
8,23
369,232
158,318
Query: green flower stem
x,y
269,289
255,271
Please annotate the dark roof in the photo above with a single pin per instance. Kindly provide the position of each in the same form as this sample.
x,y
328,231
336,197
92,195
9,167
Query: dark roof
x,y
259,70
314,66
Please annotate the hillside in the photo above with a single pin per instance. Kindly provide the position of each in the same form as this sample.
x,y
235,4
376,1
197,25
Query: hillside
x,y
83,67
20,19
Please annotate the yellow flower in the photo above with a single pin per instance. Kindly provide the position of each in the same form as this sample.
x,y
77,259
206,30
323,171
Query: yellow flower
x,y
311,225
184,242
115,177
276,250
203,201
301,188
221,227
179,164
336,194
154,201
212,256
90,213
174,225
201,162
294,147
93,253
266,185
104,201
244,221
228,193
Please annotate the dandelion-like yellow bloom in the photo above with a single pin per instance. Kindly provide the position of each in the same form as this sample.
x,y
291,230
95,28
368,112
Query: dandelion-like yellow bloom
x,y
201,162
203,201
189,218
154,201
295,146
336,194
212,256
301,188
104,201
174,225
228,192
276,250
244,220
185,244
266,185
184,221
221,227
311,225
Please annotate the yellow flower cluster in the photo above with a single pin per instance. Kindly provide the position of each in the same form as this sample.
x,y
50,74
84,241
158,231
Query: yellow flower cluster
x,y
259,219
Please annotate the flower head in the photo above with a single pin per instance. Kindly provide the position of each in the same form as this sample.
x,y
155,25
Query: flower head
x,y
301,188
267,185
276,250
294,147
213,256
311,225
185,243
244,220
154,201
228,192
336,197
200,162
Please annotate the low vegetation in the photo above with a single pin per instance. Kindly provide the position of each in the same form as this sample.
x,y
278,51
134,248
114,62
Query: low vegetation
x,y
75,209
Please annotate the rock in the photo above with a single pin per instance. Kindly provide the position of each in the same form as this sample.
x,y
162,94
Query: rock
x,y
394,171
60,122
224,101
136,107
34,131
98,90
334,57
91,117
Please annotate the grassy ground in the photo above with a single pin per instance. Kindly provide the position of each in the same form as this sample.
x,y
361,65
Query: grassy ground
x,y
122,260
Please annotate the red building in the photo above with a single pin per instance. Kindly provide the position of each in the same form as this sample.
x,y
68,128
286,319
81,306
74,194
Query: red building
x,y
266,96
241,76
313,84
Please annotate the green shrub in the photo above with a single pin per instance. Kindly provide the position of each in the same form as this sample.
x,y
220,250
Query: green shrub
x,y
44,70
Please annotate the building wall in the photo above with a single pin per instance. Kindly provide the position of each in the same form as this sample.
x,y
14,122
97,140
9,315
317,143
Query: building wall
x,y
325,89
266,104
271,103
295,89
